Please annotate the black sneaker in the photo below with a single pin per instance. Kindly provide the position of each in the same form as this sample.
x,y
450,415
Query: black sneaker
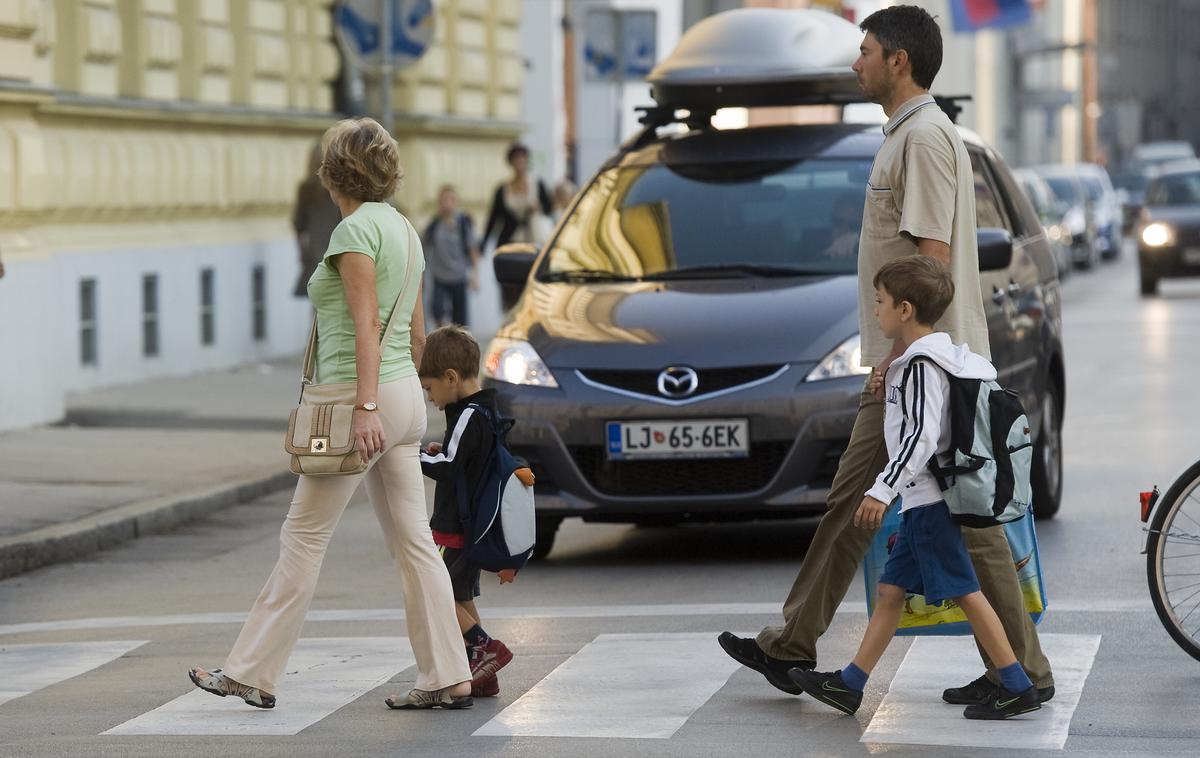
x,y
829,689
982,691
1004,705
747,652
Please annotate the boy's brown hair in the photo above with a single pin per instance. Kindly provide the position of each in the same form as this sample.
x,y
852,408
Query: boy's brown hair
x,y
922,281
451,347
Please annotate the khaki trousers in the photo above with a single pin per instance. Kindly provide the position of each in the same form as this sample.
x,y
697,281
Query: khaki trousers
x,y
838,548
396,489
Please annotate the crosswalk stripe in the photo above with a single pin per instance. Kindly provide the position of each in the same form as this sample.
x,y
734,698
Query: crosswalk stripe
x,y
28,668
912,713
620,685
323,675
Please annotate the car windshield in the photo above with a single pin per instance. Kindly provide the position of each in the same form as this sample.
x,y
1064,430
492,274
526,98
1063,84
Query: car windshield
x,y
1175,189
1093,186
1064,189
714,220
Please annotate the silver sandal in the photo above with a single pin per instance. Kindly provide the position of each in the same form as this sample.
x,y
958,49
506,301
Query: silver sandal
x,y
425,699
219,684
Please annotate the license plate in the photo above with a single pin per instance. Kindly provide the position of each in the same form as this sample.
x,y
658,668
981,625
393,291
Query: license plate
x,y
698,438
1191,256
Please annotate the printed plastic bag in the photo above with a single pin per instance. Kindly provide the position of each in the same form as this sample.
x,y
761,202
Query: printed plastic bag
x,y
946,618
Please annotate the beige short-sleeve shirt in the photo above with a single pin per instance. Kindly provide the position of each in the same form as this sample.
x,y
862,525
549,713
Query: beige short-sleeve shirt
x,y
921,185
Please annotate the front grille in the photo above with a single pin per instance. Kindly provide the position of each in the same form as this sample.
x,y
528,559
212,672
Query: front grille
x,y
711,379
719,476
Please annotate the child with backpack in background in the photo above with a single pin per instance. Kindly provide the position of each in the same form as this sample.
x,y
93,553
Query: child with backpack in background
x,y
463,465
929,556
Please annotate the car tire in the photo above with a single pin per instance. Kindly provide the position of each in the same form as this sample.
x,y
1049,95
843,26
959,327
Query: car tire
x,y
546,529
1148,281
1047,469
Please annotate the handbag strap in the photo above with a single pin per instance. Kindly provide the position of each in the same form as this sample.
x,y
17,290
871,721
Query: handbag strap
x,y
310,352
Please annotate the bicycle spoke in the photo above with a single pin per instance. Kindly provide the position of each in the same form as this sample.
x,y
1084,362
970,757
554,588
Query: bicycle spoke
x,y
1169,590
1181,602
1189,613
1189,555
1185,514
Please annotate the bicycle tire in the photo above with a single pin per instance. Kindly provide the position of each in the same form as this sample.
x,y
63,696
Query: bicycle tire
x,y
1164,516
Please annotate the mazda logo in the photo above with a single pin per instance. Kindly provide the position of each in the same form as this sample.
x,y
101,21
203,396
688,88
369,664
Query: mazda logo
x,y
678,381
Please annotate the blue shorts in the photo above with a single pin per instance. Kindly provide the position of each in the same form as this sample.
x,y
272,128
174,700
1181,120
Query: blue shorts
x,y
929,557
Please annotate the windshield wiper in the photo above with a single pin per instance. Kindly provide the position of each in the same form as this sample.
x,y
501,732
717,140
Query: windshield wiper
x,y
728,270
586,275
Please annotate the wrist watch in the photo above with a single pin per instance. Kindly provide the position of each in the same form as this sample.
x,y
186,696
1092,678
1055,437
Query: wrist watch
x,y
368,406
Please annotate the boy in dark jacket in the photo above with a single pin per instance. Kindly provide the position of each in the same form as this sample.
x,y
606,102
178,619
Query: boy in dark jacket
x,y
450,377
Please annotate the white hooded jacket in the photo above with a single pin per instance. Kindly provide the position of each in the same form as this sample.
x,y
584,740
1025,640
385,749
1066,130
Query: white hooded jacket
x,y
916,423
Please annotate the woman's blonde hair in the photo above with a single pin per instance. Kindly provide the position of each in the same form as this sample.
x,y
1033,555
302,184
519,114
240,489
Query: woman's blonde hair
x,y
361,160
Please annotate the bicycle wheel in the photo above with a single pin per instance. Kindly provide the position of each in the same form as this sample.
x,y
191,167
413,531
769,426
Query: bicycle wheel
x,y
1173,561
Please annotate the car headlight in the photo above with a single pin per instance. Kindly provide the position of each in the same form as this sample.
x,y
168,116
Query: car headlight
x,y
516,362
1158,234
846,360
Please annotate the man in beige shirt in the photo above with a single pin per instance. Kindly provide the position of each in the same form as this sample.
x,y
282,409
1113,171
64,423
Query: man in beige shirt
x,y
920,201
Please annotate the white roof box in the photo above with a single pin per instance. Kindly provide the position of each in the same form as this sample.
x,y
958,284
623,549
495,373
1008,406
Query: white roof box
x,y
761,57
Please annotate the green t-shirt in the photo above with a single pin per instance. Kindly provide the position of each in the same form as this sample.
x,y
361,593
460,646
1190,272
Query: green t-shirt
x,y
377,230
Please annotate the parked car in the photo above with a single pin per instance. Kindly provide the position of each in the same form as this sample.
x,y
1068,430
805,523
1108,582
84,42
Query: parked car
x,y
1169,235
1051,211
686,346
1131,192
1150,155
1078,220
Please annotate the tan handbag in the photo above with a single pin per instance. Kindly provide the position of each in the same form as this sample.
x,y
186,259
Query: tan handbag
x,y
319,434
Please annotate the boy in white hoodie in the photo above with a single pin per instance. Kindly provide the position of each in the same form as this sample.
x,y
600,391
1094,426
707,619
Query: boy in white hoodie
x,y
928,557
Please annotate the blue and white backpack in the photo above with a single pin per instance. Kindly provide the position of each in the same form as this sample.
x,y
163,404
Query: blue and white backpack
x,y
498,517
986,481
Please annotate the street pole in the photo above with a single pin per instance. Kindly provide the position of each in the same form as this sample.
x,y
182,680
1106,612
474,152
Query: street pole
x,y
385,78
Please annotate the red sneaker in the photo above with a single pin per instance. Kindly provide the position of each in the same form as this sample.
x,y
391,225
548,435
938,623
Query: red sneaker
x,y
487,659
489,687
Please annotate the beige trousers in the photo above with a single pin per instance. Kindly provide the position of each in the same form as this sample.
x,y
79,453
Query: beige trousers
x,y
396,489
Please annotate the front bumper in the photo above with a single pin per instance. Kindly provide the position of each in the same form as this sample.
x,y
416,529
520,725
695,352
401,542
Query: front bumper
x,y
1170,262
798,431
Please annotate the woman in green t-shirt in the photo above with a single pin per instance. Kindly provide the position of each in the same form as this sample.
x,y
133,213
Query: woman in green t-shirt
x,y
365,271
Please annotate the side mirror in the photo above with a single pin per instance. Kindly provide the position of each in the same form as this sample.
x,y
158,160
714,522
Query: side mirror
x,y
512,264
995,249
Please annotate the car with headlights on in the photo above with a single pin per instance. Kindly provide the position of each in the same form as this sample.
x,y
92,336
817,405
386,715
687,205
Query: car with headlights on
x,y
1169,234
686,347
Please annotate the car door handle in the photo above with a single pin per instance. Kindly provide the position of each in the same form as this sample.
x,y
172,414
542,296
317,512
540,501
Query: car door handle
x,y
998,295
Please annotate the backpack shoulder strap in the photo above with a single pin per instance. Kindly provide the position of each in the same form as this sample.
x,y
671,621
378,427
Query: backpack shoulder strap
x,y
464,233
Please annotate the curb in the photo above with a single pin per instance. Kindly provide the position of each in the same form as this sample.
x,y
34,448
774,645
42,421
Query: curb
x,y
107,529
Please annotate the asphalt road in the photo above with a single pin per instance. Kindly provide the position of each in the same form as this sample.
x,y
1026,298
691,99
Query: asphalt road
x,y
614,636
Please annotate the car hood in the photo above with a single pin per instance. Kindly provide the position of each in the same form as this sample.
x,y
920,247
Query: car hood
x,y
704,324
1183,216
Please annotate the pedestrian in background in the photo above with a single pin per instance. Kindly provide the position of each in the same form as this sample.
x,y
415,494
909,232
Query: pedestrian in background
x,y
452,257
314,220
368,267
920,201
521,206
564,193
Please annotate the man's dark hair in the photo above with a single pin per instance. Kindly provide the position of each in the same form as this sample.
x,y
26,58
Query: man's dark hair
x,y
912,29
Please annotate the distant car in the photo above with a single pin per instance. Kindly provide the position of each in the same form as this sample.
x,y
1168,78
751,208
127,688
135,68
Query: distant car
x,y
1051,211
1131,191
1169,234
686,346
1077,219
1102,202
1149,155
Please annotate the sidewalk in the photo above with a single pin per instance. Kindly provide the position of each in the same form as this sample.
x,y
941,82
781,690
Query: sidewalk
x,y
145,458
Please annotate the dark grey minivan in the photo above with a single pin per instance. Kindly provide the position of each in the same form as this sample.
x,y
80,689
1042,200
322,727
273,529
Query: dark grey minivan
x,y
686,345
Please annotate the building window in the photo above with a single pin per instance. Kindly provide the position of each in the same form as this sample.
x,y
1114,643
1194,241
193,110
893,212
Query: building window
x,y
150,315
87,322
208,329
258,288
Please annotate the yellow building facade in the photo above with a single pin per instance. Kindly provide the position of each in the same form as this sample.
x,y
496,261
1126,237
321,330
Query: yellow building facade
x,y
150,152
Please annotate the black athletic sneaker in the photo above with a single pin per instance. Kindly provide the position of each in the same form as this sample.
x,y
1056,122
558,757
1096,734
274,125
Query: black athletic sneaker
x,y
1004,705
747,652
982,691
828,688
